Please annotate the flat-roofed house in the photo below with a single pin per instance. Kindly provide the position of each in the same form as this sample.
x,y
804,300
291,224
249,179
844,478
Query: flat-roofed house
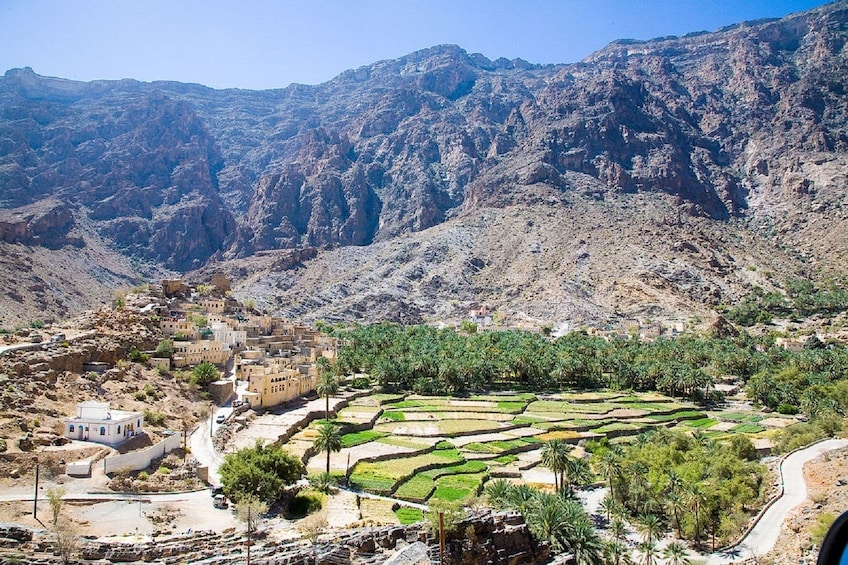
x,y
95,421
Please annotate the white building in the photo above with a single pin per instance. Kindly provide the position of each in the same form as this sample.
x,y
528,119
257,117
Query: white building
x,y
96,422
226,335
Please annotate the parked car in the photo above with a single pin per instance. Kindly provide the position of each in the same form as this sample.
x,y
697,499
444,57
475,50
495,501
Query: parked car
x,y
220,501
220,418
217,490
237,403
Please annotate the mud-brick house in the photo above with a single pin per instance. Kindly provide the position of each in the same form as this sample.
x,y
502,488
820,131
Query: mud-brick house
x,y
203,351
95,421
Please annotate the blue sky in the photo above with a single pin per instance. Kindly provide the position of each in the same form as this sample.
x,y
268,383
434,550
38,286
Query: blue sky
x,y
268,44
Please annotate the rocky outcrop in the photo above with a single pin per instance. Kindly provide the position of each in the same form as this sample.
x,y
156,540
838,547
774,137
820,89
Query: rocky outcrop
x,y
47,224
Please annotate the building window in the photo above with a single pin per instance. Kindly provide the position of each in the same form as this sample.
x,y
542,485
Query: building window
x,y
71,430
103,430
119,429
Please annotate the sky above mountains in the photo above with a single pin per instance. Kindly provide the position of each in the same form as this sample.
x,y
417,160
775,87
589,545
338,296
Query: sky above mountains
x,y
270,44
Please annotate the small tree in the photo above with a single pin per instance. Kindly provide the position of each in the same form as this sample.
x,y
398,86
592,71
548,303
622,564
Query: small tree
x,y
249,510
67,540
54,498
451,511
165,348
260,471
311,529
322,482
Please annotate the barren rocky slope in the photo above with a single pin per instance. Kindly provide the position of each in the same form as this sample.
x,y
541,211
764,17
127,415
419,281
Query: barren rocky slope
x,y
657,178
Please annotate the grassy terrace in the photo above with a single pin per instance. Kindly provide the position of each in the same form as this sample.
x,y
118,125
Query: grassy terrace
x,y
492,430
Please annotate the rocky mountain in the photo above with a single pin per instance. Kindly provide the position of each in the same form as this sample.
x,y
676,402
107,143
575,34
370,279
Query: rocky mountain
x,y
659,178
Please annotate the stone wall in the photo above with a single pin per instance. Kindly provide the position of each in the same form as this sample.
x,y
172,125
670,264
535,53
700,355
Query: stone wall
x,y
137,460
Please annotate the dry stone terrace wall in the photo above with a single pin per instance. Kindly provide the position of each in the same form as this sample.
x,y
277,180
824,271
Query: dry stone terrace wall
x,y
498,538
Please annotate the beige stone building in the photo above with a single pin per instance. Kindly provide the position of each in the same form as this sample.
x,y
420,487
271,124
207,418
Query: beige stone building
x,y
183,327
187,353
276,382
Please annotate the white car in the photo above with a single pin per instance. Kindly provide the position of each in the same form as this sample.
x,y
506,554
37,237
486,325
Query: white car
x,y
220,418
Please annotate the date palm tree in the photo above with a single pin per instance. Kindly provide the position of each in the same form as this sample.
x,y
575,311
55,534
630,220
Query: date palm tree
x,y
555,457
575,472
616,553
675,554
695,501
327,385
650,527
649,551
585,545
498,493
609,466
329,439
618,529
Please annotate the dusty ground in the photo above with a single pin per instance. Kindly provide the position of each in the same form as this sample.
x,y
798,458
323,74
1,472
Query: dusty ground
x,y
827,492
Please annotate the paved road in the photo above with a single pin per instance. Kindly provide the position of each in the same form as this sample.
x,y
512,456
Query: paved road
x,y
762,538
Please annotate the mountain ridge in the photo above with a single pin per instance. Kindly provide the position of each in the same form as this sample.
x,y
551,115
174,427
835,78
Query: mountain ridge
x,y
744,127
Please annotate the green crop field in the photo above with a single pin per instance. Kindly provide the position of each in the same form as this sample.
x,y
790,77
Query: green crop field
x,y
417,489
408,515
747,429
383,475
702,423
682,414
358,438
457,487
438,427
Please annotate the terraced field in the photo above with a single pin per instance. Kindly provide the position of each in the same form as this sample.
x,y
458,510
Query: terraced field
x,y
421,449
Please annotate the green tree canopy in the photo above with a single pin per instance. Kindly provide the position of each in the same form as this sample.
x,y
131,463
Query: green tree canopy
x,y
260,471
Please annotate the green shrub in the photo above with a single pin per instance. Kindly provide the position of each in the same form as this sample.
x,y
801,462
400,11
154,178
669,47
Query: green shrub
x,y
154,418
162,470
322,482
165,348
306,502
797,435
137,356
143,476
787,409
37,324
204,374
360,382
820,528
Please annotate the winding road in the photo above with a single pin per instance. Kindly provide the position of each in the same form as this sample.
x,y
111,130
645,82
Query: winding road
x,y
762,538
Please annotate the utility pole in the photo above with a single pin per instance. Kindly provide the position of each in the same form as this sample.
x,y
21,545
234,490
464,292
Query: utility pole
x,y
248,533
441,538
35,496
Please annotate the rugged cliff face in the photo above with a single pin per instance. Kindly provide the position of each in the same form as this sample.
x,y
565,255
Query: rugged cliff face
x,y
141,167
744,129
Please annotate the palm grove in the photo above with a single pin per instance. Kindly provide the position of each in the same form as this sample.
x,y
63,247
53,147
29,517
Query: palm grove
x,y
698,489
